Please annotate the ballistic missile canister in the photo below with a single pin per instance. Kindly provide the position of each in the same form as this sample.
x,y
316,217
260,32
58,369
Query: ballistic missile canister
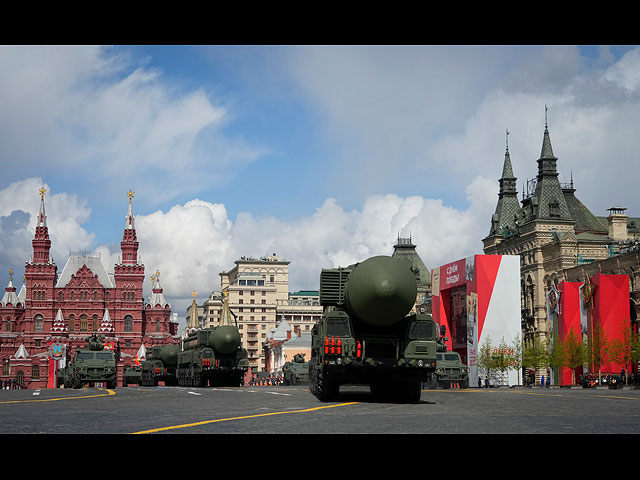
x,y
379,291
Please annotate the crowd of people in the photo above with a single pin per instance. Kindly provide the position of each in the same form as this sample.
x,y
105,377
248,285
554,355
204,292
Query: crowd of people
x,y
607,379
13,384
266,381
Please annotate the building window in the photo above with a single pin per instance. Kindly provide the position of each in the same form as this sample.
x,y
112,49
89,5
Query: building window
x,y
5,366
35,372
38,323
72,323
95,323
83,323
128,323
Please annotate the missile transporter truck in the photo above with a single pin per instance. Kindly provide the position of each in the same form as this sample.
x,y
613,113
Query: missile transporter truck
x,y
367,336
296,371
212,355
160,365
89,366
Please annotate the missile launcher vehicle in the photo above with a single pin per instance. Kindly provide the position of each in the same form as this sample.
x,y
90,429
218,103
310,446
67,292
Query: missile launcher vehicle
x,y
367,334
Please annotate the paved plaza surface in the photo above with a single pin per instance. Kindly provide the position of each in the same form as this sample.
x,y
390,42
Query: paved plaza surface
x,y
294,410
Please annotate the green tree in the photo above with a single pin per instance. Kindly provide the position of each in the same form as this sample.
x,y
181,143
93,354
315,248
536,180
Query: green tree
x,y
485,360
598,350
625,349
571,352
516,360
535,354
502,358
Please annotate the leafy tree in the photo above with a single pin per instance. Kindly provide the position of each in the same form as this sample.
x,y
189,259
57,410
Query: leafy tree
x,y
516,359
599,350
535,354
625,350
485,360
502,357
571,352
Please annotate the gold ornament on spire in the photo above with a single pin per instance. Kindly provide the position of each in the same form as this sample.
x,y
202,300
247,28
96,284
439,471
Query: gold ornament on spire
x,y
194,294
42,192
130,193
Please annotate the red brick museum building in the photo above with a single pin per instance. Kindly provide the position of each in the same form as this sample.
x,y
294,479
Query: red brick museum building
x,y
56,312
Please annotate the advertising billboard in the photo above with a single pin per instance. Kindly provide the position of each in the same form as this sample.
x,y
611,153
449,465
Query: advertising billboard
x,y
477,298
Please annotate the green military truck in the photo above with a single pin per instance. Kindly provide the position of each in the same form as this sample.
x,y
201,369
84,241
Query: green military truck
x,y
89,366
367,336
297,371
132,375
450,371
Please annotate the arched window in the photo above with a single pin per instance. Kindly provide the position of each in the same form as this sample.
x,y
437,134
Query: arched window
x,y
35,372
72,323
83,323
95,323
128,323
38,321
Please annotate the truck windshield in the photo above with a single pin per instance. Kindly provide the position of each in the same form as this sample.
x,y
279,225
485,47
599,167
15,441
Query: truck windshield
x,y
421,330
338,327
104,356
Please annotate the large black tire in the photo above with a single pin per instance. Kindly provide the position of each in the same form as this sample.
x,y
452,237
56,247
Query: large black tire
x,y
321,385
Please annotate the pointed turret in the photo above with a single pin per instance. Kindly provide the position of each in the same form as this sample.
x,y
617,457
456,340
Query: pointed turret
x,y
41,243
10,296
58,323
504,219
194,322
548,201
226,318
106,326
129,244
157,297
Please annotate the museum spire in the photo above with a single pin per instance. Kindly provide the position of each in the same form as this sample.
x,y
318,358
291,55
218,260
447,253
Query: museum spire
x,y
129,244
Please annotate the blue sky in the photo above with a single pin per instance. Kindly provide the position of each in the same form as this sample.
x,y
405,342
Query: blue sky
x,y
322,154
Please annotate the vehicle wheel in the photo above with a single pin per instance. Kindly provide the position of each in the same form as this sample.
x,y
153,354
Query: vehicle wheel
x,y
410,392
326,388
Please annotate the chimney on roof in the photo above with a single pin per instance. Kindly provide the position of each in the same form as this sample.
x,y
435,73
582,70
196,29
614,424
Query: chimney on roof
x,y
617,224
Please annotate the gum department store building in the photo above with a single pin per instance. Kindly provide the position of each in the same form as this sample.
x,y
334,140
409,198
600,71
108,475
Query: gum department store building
x,y
559,239
65,308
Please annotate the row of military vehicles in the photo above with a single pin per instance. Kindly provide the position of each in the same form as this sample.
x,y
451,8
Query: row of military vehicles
x,y
367,335
211,356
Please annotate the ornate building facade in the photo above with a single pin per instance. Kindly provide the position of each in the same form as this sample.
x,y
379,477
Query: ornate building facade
x,y
65,308
557,238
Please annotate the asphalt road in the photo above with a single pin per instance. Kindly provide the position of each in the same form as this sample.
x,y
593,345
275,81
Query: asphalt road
x,y
294,410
